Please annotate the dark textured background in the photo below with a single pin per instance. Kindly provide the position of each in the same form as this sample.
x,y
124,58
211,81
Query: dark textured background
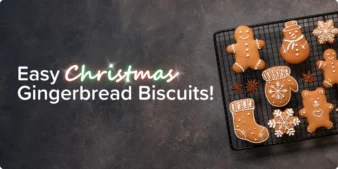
x,y
52,34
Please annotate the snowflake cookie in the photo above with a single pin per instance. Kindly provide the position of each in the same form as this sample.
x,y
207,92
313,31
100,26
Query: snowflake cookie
x,y
284,122
325,32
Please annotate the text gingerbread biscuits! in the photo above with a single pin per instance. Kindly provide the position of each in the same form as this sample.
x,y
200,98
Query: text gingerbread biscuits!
x,y
284,122
316,109
330,67
246,50
325,32
279,84
245,125
295,48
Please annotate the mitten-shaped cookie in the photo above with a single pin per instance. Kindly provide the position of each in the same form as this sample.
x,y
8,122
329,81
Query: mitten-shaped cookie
x,y
279,85
295,48
246,50
245,125
316,109
330,67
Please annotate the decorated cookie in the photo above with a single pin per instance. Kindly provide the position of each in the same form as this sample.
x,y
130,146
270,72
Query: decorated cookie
x,y
325,32
295,48
284,122
245,125
246,50
279,85
330,67
316,109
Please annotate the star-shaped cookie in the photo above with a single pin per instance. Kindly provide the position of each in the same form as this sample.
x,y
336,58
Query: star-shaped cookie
x,y
284,122
325,32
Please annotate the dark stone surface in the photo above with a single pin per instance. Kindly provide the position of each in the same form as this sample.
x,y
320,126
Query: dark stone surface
x,y
51,34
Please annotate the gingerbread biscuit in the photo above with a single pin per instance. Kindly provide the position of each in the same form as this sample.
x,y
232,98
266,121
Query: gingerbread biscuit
x,y
245,125
279,85
330,67
316,109
246,50
295,48
325,32
284,122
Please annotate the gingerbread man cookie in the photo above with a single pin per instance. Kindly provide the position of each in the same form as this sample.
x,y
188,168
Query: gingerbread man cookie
x,y
330,67
316,109
295,48
246,50
279,85
245,125
325,32
284,122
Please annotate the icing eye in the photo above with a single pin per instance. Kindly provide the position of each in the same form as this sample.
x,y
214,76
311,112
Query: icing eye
x,y
240,32
296,31
290,33
317,98
328,54
333,54
247,31
311,99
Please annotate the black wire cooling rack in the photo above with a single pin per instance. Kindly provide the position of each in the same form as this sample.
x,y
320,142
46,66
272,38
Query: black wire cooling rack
x,y
272,34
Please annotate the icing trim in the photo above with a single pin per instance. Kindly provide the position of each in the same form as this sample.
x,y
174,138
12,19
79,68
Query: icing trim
x,y
257,44
244,38
239,66
257,64
292,42
233,48
328,83
320,64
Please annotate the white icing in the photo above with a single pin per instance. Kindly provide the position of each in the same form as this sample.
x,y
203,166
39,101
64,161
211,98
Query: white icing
x,y
257,44
233,48
328,83
292,43
285,123
244,38
318,113
325,32
239,66
257,64
278,92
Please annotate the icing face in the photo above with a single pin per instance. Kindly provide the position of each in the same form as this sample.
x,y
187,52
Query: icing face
x,y
313,98
330,54
243,33
293,34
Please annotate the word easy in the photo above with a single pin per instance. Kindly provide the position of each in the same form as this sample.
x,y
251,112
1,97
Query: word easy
x,y
35,75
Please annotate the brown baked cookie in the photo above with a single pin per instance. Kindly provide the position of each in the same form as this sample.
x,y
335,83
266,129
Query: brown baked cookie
x,y
246,50
284,122
245,125
279,85
325,32
330,67
295,48
316,109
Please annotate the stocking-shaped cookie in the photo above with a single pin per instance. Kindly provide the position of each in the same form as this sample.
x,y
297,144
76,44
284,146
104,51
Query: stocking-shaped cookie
x,y
279,85
246,50
330,67
295,48
316,109
245,124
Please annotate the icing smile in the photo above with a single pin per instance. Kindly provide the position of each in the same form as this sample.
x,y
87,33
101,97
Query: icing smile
x,y
244,38
331,58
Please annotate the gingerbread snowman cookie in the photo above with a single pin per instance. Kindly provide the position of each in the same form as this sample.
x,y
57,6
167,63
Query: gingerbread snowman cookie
x,y
245,125
279,84
295,48
316,109
330,67
246,50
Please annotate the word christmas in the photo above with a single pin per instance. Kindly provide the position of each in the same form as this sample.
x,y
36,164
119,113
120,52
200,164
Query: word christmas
x,y
74,73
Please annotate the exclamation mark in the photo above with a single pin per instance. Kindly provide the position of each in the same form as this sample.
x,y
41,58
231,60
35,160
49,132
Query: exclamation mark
x,y
211,92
